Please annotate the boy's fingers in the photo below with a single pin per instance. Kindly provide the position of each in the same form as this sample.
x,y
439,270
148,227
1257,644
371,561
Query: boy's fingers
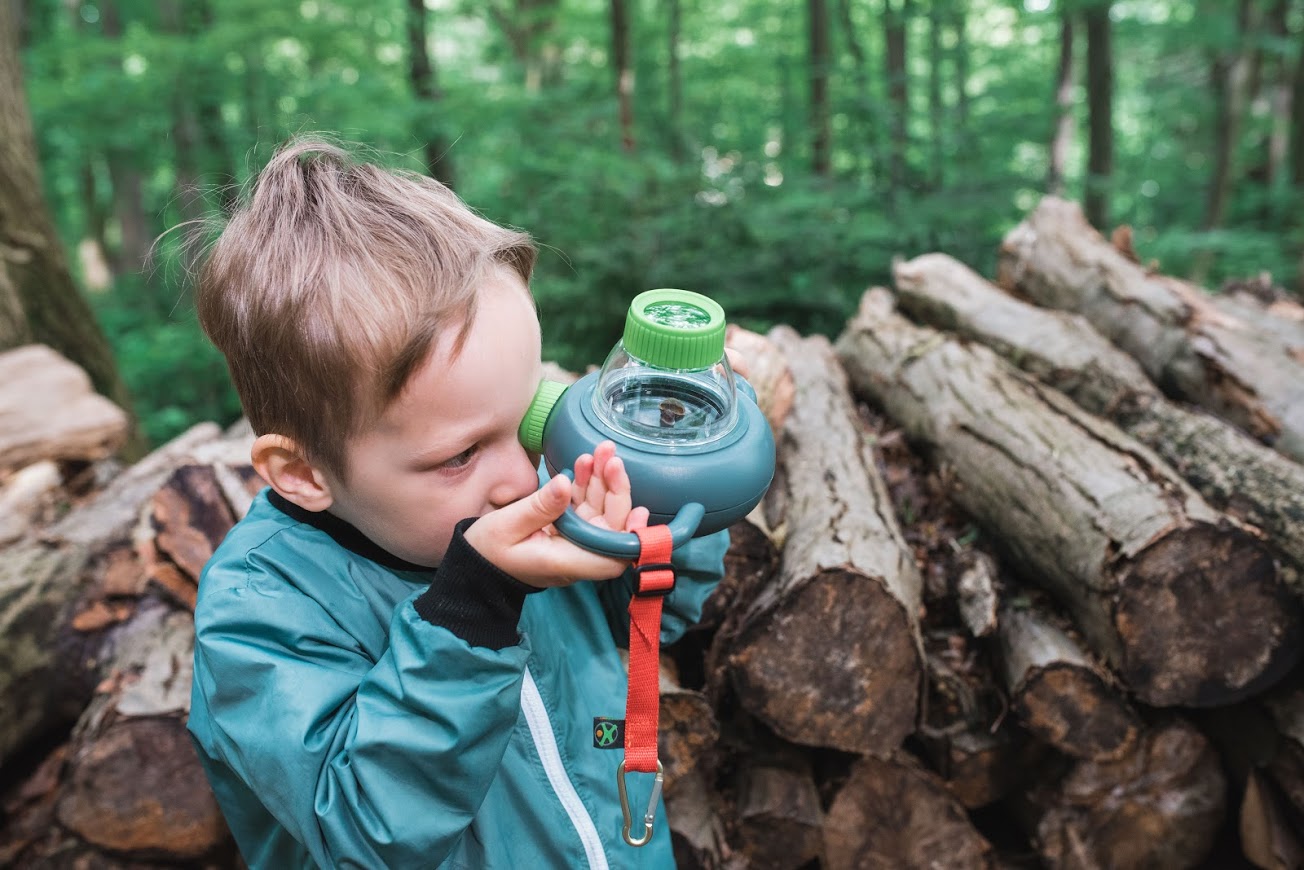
x,y
616,504
583,471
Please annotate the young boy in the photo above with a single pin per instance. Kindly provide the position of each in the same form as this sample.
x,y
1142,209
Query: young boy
x,y
397,661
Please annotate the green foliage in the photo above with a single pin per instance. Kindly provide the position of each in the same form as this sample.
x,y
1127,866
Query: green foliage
x,y
718,198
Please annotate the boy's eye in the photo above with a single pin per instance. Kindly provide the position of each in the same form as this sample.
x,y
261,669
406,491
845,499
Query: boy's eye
x,y
460,459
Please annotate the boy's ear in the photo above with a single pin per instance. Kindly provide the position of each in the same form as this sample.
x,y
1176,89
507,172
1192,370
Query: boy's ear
x,y
280,462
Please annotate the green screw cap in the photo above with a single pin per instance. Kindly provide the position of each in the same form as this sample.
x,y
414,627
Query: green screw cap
x,y
530,432
675,329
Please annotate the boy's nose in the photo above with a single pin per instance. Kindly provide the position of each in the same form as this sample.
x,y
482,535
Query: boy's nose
x,y
519,477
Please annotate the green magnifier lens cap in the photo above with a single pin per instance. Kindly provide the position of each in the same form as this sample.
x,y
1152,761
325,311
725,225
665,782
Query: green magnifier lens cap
x,y
675,329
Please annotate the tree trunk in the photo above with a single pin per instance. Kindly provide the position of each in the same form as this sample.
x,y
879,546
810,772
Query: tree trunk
x,y
894,814
961,52
1100,113
1234,472
1296,155
674,75
1063,136
895,18
1229,79
868,145
1099,102
38,300
937,162
820,62
421,73
622,64
1188,347
847,583
1088,513
188,187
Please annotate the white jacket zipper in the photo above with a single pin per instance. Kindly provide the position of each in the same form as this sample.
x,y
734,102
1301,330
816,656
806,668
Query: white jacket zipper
x,y
545,743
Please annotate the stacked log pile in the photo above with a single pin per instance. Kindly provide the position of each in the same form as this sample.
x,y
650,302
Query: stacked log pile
x,y
1026,592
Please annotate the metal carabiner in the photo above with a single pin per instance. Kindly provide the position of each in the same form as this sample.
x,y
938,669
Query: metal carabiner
x,y
648,817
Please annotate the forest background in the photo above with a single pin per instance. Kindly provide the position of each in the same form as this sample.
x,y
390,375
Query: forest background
x,y
775,155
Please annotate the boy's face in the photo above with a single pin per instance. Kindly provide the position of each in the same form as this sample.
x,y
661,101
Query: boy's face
x,y
447,448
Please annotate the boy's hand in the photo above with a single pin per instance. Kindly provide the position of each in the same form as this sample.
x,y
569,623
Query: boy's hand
x,y
519,538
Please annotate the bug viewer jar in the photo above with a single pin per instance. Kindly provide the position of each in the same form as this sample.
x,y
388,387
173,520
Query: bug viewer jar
x,y
698,450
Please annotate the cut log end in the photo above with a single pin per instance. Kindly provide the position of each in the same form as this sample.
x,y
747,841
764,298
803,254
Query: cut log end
x,y
836,665
1073,710
1230,629
891,814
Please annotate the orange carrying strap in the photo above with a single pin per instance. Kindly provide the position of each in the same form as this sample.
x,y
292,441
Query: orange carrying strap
x,y
656,579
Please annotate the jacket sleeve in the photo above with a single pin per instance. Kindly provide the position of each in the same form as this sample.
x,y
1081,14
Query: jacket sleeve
x,y
699,566
368,763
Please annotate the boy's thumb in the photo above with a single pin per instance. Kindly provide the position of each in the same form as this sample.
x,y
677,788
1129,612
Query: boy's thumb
x,y
546,504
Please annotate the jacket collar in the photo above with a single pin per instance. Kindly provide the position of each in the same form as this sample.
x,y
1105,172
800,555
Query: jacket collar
x,y
343,533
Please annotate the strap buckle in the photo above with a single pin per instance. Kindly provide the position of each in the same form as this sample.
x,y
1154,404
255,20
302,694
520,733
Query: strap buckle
x,y
656,591
649,817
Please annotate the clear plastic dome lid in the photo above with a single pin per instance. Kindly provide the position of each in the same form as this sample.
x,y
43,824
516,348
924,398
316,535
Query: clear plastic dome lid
x,y
667,381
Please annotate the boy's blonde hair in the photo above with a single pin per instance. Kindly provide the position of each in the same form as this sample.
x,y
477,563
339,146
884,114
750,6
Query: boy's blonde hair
x,y
328,286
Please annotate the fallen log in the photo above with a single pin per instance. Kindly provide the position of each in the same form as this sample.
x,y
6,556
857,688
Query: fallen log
x,y
1187,608
779,815
1233,471
133,783
1188,346
1057,693
828,653
1160,806
50,411
55,602
892,813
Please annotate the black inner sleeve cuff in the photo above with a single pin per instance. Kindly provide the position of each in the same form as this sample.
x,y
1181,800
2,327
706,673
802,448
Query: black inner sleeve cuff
x,y
472,598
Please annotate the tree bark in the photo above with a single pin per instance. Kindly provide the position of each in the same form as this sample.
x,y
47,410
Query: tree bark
x,y
847,583
38,300
1100,113
1236,473
1188,347
133,782
50,660
1088,513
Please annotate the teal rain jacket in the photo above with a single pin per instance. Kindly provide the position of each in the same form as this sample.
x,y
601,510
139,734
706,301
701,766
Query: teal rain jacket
x,y
344,719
